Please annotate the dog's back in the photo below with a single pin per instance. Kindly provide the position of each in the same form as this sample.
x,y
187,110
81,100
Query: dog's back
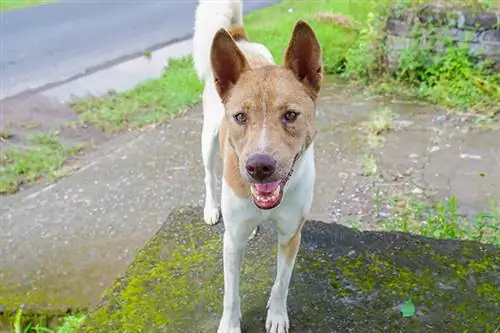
x,y
211,16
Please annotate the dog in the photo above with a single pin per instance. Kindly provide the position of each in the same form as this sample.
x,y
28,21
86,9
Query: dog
x,y
261,116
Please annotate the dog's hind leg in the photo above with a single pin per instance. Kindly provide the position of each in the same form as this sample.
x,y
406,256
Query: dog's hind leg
x,y
209,144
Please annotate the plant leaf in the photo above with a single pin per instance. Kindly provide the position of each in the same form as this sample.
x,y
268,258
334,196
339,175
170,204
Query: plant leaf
x,y
408,309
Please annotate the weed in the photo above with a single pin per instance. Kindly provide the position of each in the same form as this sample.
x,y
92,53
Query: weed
x,y
380,122
363,60
355,223
5,136
69,324
370,167
148,54
443,220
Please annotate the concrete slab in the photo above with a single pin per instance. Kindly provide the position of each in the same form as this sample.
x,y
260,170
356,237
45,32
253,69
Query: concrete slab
x,y
344,281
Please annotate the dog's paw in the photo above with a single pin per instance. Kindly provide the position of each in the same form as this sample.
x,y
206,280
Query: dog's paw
x,y
277,321
226,326
211,215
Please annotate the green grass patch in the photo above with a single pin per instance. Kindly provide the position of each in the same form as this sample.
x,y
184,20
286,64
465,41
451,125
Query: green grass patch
x,y
18,4
149,103
44,156
444,220
273,26
68,324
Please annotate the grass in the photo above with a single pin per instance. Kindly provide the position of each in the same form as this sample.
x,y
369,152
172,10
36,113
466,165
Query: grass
x,y
380,121
6,5
370,167
44,156
444,221
150,103
68,324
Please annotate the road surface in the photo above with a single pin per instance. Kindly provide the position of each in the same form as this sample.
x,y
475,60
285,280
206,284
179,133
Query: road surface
x,y
47,45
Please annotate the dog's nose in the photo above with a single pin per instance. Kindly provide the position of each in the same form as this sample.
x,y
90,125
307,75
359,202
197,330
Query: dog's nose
x,y
260,166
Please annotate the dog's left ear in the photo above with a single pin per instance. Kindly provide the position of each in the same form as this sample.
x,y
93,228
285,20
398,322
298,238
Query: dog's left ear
x,y
303,57
228,62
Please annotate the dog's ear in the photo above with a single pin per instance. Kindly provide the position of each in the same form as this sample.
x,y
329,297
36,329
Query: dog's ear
x,y
228,62
303,57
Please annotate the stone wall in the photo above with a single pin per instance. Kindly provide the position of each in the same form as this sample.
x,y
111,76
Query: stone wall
x,y
478,30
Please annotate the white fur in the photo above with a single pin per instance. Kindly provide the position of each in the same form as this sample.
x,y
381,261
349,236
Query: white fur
x,y
241,216
210,16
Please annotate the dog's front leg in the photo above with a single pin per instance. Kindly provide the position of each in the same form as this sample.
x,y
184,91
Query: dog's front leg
x,y
233,253
277,314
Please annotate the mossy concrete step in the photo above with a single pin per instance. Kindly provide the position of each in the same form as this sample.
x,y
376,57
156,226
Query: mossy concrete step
x,y
344,281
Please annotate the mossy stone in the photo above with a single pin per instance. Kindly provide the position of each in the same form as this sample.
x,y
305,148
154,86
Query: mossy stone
x,y
344,281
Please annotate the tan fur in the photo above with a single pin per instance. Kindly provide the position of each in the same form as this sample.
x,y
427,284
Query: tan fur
x,y
238,33
249,83
257,94
292,247
231,171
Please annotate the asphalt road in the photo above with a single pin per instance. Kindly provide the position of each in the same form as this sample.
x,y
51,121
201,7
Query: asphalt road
x,y
50,44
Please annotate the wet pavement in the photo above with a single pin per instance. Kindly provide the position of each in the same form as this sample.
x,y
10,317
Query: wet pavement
x,y
62,245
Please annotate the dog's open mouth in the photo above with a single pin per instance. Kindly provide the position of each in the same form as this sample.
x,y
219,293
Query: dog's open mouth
x,y
267,196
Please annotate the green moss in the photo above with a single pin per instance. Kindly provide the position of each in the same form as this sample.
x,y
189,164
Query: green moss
x,y
375,275
41,304
451,293
343,280
178,273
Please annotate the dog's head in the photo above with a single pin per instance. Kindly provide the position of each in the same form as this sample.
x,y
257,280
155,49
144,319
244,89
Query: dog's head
x,y
269,110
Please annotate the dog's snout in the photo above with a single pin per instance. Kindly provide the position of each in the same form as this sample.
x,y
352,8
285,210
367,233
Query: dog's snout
x,y
260,166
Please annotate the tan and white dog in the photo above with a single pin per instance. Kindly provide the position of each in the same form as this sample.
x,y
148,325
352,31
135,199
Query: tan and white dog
x,y
263,116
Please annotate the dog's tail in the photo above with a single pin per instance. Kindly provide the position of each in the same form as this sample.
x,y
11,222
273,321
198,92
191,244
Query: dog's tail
x,y
210,16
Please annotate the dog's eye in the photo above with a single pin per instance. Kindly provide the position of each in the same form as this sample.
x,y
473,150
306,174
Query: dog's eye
x,y
240,118
290,116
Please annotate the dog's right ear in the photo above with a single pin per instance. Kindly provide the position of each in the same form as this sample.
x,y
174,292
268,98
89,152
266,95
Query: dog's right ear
x,y
228,62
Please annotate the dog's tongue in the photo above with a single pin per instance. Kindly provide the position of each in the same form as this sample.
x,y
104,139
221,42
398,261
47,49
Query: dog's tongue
x,y
267,188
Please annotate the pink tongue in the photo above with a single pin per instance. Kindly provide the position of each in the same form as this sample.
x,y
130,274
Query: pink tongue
x,y
267,188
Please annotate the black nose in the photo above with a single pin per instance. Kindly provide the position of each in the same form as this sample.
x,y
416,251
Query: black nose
x,y
260,166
